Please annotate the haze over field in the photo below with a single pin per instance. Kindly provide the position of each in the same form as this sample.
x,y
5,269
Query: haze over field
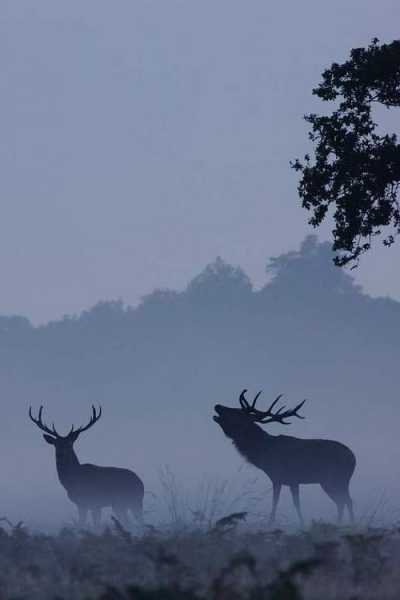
x,y
158,370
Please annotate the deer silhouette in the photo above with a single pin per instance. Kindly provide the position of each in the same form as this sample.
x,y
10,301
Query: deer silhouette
x,y
88,486
288,460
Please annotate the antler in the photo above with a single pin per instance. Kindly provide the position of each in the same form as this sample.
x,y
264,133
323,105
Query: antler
x,y
93,419
40,423
268,416
243,402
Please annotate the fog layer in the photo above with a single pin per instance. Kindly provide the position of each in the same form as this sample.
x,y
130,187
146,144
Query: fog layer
x,y
158,369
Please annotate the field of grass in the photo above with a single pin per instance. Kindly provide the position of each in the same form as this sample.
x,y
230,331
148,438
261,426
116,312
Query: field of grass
x,y
229,560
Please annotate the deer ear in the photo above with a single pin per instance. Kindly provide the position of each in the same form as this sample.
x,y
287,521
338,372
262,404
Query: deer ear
x,y
49,439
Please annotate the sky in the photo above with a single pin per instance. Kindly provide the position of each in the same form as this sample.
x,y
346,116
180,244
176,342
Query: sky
x,y
141,139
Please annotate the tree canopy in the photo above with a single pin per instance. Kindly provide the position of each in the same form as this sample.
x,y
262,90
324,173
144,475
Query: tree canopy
x,y
309,271
355,170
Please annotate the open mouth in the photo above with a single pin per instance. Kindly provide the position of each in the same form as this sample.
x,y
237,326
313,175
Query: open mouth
x,y
217,416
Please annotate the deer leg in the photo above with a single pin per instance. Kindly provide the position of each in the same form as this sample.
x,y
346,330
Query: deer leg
x,y
96,517
340,508
338,496
121,514
296,501
82,516
137,512
349,504
276,490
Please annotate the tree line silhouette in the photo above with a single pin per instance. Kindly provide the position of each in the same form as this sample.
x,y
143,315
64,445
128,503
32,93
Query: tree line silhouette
x,y
309,319
306,296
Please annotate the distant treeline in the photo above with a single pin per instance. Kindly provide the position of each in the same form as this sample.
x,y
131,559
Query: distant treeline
x,y
310,331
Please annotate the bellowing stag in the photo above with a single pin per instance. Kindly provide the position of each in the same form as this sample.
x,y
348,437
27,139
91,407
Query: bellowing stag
x,y
288,460
88,486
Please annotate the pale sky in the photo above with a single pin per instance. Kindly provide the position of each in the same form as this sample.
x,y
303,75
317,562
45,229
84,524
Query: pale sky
x,y
141,139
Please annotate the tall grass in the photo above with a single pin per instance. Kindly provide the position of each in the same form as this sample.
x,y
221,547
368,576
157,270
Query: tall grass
x,y
211,542
234,560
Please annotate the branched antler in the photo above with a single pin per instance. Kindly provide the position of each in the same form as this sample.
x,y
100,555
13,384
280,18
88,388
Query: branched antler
x,y
268,416
243,402
93,419
42,425
75,432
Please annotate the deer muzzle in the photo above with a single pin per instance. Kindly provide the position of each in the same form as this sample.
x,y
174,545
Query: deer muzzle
x,y
218,410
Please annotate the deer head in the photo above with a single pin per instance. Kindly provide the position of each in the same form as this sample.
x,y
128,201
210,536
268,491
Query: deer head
x,y
231,419
63,442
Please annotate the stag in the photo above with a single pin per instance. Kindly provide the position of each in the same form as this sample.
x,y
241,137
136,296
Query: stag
x,y
91,487
285,459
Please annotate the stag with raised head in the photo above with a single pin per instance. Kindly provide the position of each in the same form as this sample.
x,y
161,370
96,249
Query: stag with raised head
x,y
285,459
90,487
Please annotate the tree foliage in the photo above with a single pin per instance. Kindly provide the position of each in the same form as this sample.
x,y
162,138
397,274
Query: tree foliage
x,y
355,170
219,283
309,271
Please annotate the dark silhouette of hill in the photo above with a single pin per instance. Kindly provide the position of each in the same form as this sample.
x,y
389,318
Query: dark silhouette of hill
x,y
159,368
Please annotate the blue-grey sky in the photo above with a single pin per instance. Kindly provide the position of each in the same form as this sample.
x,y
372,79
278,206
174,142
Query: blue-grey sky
x,y
141,139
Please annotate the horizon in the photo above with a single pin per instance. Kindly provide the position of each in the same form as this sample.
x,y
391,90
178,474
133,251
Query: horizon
x,y
255,288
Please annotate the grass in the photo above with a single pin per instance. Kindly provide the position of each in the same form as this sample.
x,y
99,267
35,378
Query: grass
x,y
231,561
213,543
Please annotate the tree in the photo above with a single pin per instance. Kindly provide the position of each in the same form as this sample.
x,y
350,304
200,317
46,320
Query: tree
x,y
219,283
308,273
355,171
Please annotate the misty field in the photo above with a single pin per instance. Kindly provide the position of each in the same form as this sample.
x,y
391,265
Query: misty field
x,y
227,560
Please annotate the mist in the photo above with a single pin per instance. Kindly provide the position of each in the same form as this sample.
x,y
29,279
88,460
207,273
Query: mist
x,y
159,368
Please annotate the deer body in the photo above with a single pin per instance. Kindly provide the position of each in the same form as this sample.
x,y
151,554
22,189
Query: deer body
x,y
91,487
289,460
294,460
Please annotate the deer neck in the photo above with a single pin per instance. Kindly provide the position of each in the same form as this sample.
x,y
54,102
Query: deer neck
x,y
253,443
67,466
